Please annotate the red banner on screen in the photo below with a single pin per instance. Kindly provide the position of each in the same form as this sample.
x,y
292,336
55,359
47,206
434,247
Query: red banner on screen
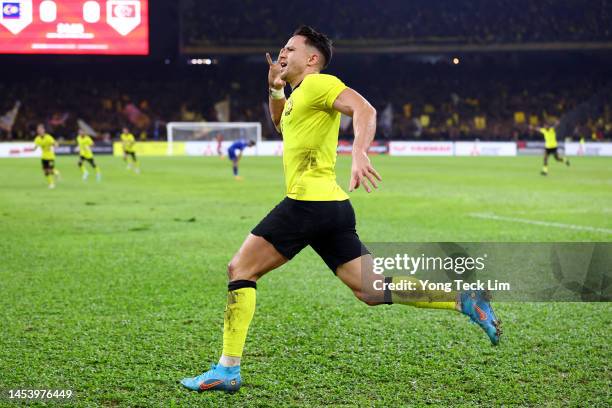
x,y
112,27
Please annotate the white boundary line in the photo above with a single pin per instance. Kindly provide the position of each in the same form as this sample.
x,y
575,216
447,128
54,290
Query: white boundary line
x,y
544,223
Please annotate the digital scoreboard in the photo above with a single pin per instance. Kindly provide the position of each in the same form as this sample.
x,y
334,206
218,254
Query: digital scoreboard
x,y
111,27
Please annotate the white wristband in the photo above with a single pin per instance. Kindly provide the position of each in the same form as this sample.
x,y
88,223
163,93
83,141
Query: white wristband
x,y
277,93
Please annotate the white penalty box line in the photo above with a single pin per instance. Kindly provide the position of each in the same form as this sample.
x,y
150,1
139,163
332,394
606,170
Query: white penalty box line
x,y
488,216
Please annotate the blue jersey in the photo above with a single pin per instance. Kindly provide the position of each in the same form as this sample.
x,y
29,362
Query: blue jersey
x,y
237,145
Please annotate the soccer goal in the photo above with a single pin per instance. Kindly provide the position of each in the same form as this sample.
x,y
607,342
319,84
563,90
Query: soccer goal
x,y
209,138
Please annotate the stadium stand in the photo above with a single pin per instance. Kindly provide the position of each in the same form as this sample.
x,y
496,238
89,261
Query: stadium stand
x,y
489,97
478,21
418,95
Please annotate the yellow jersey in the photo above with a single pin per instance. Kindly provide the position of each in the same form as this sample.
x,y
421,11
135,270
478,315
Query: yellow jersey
x,y
46,143
85,142
310,127
550,137
128,142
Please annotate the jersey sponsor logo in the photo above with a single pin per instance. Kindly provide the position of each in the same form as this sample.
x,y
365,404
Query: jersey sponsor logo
x,y
288,107
11,10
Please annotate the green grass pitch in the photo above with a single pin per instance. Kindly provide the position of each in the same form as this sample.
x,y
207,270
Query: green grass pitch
x,y
116,290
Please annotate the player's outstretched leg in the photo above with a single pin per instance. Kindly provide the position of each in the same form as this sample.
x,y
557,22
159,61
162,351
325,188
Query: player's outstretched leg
x,y
98,174
562,159
544,171
50,179
84,172
256,257
47,168
93,164
136,163
128,162
374,289
239,311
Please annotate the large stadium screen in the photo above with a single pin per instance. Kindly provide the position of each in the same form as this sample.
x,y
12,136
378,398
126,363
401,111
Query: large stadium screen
x,y
112,27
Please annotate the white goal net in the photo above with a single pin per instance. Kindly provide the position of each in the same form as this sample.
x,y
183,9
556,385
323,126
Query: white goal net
x,y
210,138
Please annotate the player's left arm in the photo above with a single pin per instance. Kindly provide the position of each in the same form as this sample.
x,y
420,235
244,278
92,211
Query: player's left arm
x,y
350,103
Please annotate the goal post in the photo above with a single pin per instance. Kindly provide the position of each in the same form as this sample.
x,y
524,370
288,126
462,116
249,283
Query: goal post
x,y
196,135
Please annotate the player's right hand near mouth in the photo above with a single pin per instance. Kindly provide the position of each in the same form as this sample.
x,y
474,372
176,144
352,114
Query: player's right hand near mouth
x,y
274,80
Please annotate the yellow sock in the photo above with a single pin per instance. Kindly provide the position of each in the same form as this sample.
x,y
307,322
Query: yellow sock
x,y
49,179
82,169
98,171
435,305
239,311
427,299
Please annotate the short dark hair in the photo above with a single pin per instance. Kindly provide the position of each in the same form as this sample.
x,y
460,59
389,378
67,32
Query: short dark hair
x,y
318,40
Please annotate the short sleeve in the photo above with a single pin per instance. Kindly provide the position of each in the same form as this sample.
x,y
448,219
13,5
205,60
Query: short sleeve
x,y
322,90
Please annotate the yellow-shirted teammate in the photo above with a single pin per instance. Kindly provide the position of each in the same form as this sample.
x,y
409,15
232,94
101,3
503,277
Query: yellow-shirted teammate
x,y
84,145
129,152
550,145
315,211
47,145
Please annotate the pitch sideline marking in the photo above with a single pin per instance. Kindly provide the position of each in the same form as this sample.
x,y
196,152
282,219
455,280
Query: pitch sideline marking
x,y
544,223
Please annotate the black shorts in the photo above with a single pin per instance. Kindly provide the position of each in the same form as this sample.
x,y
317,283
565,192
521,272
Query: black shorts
x,y
48,164
133,154
551,150
327,226
91,161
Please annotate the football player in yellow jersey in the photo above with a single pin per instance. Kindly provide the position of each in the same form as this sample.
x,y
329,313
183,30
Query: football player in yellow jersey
x,y
315,211
47,145
84,145
550,144
128,141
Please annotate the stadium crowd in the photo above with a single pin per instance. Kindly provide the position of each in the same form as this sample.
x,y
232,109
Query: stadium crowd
x,y
418,21
414,100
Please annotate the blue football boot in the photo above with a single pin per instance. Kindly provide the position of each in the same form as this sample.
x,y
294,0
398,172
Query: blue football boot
x,y
218,378
475,304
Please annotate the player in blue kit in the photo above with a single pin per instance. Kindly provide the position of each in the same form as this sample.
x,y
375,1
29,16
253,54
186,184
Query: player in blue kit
x,y
235,153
